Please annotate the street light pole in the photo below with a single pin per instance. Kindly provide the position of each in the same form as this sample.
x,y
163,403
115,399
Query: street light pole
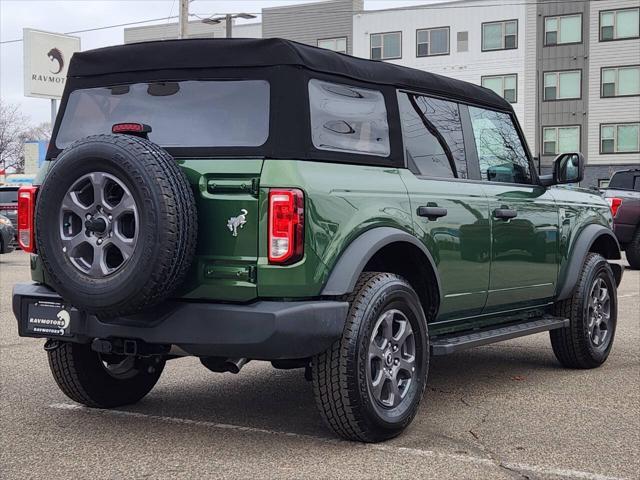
x,y
54,111
228,18
183,19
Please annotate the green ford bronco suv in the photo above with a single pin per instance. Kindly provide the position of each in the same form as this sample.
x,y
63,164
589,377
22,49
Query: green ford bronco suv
x,y
247,199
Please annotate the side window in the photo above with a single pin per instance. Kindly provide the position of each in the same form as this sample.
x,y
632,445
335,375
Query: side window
x,y
500,151
433,138
348,119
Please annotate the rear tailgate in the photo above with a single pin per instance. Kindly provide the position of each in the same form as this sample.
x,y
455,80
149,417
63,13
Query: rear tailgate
x,y
227,251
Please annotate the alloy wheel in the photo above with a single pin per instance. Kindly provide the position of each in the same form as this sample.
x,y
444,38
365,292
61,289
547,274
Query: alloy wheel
x,y
98,224
599,314
391,365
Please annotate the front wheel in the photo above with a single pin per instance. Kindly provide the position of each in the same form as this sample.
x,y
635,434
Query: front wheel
x,y
592,311
102,381
368,384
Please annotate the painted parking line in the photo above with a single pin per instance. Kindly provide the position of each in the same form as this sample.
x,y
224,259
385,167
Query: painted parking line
x,y
521,467
627,295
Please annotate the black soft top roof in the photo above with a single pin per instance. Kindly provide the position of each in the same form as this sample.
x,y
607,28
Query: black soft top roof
x,y
246,52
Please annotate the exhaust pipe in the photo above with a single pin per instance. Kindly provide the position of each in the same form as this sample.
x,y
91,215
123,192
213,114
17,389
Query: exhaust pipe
x,y
235,364
221,364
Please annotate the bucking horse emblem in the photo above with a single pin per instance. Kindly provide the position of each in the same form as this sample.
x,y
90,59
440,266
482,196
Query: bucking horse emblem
x,y
234,223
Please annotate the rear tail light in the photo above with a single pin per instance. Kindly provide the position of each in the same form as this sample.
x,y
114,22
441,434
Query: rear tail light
x,y
26,207
614,204
286,226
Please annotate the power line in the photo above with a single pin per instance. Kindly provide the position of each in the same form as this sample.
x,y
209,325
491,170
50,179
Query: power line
x,y
435,6
95,29
171,10
443,6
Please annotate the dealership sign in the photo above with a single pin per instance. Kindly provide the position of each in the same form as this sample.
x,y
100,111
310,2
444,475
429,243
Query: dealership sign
x,y
46,60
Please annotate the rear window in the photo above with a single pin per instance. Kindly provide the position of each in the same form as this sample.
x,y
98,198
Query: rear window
x,y
625,181
8,195
348,119
181,114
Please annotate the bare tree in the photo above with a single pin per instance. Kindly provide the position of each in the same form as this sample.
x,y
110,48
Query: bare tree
x,y
11,127
15,130
39,132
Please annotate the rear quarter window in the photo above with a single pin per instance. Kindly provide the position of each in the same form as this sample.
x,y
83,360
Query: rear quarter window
x,y
9,195
348,119
181,114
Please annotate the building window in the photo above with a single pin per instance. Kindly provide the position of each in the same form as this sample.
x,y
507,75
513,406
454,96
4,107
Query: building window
x,y
500,35
336,44
620,81
432,41
348,119
563,29
562,85
386,46
504,85
463,41
619,24
620,138
556,140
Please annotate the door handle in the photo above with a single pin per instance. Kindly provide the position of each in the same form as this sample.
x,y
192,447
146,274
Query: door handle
x,y
505,213
432,213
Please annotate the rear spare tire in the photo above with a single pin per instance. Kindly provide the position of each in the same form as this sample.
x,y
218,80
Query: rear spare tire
x,y
116,224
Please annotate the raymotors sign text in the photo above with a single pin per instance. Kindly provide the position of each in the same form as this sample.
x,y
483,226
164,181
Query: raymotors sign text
x,y
46,60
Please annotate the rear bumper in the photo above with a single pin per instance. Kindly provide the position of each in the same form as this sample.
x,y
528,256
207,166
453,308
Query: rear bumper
x,y
264,330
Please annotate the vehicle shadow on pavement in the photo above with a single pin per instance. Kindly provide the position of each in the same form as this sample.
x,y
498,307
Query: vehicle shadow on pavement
x,y
283,400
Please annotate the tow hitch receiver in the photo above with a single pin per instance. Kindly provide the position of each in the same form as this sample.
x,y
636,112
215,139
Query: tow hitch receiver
x,y
124,346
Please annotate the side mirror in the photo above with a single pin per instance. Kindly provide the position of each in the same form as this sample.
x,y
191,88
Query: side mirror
x,y
567,168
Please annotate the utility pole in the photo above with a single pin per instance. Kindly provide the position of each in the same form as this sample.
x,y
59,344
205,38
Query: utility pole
x,y
184,19
229,24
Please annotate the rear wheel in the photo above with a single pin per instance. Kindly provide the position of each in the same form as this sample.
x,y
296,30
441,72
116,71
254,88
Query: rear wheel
x,y
368,385
592,311
633,251
102,381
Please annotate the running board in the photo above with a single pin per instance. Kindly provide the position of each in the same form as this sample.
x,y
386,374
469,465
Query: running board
x,y
450,343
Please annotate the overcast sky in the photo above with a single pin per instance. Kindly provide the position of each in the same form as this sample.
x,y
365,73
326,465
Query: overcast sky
x,y
69,15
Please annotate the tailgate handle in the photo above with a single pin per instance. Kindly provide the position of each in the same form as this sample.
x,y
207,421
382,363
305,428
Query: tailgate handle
x,y
249,185
432,212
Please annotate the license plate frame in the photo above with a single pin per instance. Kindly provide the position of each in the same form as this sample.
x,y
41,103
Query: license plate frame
x,y
48,318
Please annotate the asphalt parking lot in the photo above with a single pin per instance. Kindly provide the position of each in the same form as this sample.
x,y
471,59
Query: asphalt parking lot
x,y
502,411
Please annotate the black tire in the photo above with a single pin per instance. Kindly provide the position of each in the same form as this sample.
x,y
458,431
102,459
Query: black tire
x,y
81,375
573,345
341,384
633,251
167,225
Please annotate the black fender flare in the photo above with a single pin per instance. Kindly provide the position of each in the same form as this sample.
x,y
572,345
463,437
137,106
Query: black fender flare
x,y
355,257
583,245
